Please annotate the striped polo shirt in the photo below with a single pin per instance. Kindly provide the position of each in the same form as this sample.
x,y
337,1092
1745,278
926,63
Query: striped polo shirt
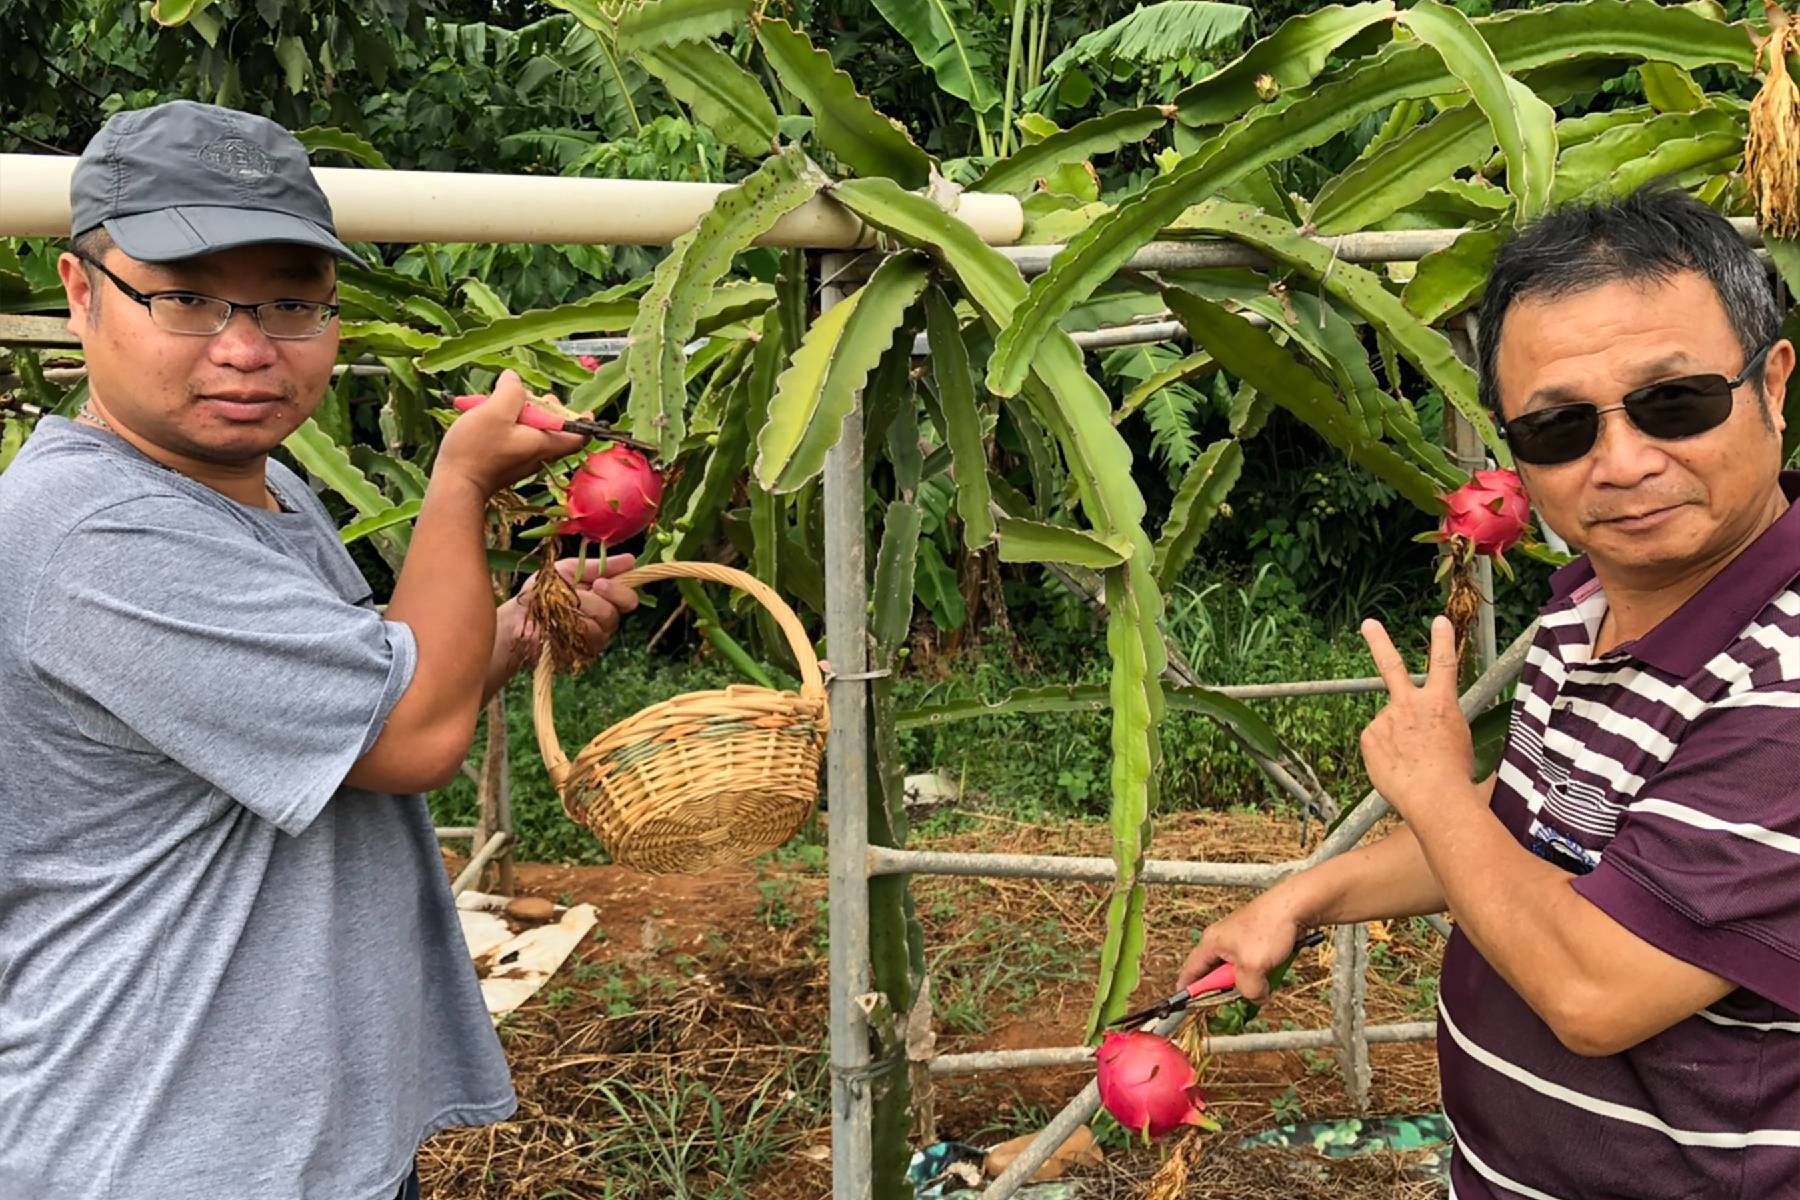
x,y
1665,777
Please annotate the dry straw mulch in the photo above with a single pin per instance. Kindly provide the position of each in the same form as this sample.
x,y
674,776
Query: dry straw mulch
x,y
714,1085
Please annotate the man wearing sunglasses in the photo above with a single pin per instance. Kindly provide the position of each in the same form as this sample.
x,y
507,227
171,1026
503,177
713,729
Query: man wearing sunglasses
x,y
230,965
1619,1011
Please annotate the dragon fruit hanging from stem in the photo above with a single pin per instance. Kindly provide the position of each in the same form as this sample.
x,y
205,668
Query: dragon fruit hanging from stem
x,y
1486,516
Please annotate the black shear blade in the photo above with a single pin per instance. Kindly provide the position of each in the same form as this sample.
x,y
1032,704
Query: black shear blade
x,y
1181,1000
1175,1004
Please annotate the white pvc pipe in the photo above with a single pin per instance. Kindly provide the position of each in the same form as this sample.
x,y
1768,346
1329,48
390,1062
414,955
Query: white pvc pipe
x,y
444,206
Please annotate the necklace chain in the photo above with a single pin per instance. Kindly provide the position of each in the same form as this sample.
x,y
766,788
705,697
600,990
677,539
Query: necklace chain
x,y
88,413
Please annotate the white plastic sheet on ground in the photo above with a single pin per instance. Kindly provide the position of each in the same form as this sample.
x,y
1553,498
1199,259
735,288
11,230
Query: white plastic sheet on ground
x,y
515,958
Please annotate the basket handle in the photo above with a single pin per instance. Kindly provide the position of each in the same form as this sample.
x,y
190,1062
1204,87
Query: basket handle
x,y
812,682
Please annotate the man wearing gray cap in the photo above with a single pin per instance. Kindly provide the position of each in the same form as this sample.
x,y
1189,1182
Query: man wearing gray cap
x,y
230,965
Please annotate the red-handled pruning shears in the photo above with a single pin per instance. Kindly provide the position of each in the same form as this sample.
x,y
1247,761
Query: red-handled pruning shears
x,y
1217,985
538,418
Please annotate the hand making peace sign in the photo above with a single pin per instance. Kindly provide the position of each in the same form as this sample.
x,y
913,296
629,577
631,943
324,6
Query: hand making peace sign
x,y
1418,749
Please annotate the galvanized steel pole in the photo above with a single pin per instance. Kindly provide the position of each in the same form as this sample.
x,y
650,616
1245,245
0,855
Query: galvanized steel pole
x,y
884,860
847,784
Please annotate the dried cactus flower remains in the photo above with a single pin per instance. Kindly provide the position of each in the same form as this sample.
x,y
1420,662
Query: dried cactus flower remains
x,y
1772,147
554,612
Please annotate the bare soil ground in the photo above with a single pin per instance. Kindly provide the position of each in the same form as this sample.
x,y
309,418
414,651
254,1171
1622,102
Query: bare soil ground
x,y
680,1052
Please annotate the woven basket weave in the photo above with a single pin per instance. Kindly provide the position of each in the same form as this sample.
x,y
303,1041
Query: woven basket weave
x,y
705,779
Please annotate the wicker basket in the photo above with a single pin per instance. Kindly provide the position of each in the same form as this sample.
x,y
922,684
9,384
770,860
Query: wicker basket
x,y
705,779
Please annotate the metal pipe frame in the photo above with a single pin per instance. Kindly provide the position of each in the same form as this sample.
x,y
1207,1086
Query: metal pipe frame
x,y
1349,1035
1135,334
1361,685
1349,1010
886,860
444,206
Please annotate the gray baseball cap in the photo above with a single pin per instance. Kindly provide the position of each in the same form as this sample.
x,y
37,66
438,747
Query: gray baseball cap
x,y
181,179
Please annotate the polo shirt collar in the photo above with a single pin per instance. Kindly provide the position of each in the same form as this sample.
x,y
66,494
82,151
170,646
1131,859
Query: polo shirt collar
x,y
1701,629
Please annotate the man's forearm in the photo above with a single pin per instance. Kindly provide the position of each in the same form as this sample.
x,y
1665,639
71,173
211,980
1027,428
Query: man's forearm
x,y
445,597
1517,909
512,650
1374,883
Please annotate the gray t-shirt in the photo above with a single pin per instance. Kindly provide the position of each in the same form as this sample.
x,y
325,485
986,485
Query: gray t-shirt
x,y
222,973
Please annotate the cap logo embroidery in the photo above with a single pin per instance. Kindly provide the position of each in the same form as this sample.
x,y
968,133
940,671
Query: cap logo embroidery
x,y
237,158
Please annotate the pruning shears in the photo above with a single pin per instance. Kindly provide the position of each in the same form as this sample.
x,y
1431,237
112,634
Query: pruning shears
x,y
1215,987
538,418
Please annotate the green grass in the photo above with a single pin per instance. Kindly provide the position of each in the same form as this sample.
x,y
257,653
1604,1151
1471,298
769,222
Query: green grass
x,y
996,970
1397,968
1231,632
681,1141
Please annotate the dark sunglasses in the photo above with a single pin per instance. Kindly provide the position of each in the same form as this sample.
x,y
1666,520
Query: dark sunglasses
x,y
1668,411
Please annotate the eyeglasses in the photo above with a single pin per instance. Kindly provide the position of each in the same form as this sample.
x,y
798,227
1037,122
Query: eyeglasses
x,y
203,316
1669,411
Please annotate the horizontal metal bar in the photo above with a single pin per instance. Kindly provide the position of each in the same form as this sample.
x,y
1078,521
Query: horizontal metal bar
x,y
1140,333
603,347
22,329
481,859
885,860
451,833
610,347
1305,687
1056,705
1371,246
1237,1043
1144,332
